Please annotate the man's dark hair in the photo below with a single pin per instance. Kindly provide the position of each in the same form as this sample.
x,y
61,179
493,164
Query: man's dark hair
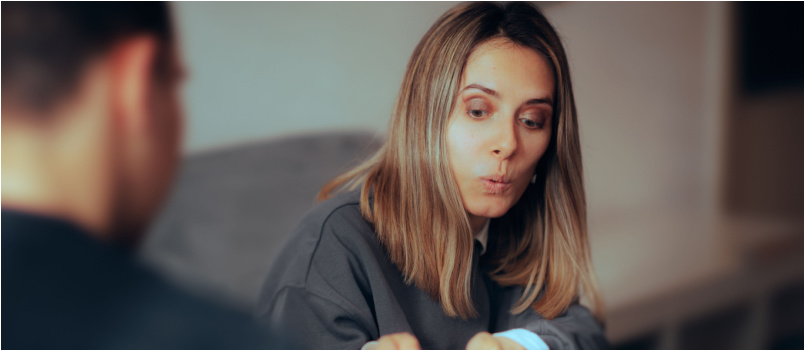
x,y
46,45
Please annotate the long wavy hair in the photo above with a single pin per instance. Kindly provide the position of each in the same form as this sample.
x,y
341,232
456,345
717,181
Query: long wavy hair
x,y
410,196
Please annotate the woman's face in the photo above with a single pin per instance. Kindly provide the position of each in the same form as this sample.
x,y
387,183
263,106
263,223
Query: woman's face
x,y
500,126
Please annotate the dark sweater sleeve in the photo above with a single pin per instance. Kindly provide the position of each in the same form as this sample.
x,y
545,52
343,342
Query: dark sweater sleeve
x,y
575,330
317,293
314,322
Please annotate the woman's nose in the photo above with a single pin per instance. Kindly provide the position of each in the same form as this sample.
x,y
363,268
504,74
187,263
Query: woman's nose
x,y
504,142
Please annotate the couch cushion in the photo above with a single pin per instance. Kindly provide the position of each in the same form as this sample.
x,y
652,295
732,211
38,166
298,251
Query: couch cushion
x,y
232,209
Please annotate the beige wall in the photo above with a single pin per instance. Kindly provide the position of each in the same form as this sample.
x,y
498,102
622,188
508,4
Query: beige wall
x,y
261,69
649,114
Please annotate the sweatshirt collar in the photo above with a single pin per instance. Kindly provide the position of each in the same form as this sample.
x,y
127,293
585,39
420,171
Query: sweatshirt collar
x,y
483,236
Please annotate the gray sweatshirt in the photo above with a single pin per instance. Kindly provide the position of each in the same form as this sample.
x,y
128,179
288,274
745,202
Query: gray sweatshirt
x,y
333,287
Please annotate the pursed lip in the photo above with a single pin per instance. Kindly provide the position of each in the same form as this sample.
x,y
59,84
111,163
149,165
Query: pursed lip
x,y
495,184
497,178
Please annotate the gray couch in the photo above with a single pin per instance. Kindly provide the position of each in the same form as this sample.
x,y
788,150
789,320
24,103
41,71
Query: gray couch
x,y
232,209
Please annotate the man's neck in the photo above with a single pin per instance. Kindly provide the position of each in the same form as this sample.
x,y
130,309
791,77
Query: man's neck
x,y
47,171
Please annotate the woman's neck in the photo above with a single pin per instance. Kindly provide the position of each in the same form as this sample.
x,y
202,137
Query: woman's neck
x,y
477,223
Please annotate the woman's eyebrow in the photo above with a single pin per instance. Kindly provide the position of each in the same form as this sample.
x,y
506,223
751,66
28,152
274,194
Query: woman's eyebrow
x,y
538,101
482,88
534,101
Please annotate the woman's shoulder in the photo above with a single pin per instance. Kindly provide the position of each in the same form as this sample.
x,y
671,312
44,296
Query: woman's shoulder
x,y
342,205
333,233
338,217
326,270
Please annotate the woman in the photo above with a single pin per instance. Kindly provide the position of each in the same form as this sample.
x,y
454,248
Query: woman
x,y
471,218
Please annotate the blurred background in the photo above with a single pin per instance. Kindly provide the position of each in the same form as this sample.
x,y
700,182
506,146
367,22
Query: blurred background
x,y
690,116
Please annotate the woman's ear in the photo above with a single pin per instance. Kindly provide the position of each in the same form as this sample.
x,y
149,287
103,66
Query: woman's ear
x,y
132,63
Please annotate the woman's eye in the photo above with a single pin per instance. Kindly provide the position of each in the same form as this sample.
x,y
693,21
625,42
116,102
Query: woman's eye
x,y
531,124
477,113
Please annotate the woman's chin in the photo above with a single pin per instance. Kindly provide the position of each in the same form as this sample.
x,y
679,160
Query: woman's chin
x,y
489,210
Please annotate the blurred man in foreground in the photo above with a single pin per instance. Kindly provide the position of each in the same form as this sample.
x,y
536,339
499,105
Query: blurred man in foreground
x,y
91,125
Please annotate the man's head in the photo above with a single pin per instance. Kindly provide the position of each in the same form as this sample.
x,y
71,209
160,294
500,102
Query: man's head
x,y
92,90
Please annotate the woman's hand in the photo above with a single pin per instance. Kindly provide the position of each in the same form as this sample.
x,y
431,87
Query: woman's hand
x,y
396,341
486,341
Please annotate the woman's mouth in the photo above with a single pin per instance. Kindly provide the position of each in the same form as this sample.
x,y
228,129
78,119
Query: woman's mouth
x,y
495,184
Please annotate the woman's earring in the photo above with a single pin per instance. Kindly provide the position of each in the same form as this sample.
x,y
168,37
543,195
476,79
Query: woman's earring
x,y
533,178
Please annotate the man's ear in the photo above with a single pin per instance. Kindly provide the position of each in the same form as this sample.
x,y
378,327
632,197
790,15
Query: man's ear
x,y
132,80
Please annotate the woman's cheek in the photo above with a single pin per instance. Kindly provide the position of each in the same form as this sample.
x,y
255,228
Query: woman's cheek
x,y
461,145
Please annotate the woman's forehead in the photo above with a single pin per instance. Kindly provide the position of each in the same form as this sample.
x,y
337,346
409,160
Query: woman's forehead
x,y
509,69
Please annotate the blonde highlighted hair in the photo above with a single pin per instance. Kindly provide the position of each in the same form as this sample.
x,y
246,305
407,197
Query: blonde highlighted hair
x,y
411,198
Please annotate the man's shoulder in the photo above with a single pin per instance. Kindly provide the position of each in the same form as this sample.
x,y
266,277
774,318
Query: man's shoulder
x,y
71,290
